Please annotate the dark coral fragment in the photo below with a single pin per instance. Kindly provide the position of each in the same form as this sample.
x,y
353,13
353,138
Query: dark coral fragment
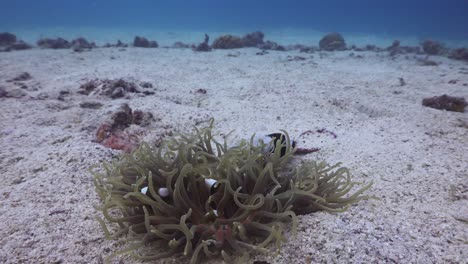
x,y
459,54
57,43
113,88
81,44
253,39
445,102
203,46
227,42
432,47
270,45
143,42
332,41
113,133
7,39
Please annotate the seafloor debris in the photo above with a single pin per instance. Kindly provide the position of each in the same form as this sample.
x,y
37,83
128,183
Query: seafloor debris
x,y
90,105
143,42
113,88
112,133
427,62
13,93
253,39
227,42
119,44
180,45
81,44
432,47
332,41
445,102
57,43
396,48
193,194
204,46
459,54
270,45
7,39
25,76
9,42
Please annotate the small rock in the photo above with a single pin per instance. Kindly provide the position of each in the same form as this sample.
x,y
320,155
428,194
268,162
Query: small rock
x,y
432,47
7,39
227,42
204,46
146,85
270,45
253,39
445,102
142,42
180,45
15,93
58,43
118,92
332,41
91,105
25,76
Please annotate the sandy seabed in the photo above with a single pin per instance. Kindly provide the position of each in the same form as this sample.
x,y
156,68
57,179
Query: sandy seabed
x,y
416,156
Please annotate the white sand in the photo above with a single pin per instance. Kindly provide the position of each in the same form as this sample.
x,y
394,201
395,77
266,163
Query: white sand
x,y
416,156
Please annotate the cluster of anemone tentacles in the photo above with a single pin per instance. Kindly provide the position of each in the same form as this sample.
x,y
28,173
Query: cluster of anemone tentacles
x,y
200,197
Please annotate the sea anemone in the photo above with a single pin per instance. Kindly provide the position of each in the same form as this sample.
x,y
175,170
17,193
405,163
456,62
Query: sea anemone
x,y
201,197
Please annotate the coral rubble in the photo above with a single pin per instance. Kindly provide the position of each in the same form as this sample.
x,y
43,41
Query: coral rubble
x,y
9,42
332,41
203,46
82,44
253,39
57,43
270,45
432,47
445,102
459,54
227,42
142,42
113,88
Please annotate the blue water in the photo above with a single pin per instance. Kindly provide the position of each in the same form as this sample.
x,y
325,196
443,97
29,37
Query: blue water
x,y
437,19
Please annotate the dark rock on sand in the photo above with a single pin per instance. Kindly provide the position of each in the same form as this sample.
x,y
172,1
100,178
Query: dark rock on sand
x,y
253,39
58,43
25,76
180,45
90,105
204,46
111,88
227,42
459,54
113,133
270,45
82,44
142,42
445,102
13,93
7,39
119,44
396,48
332,41
9,42
146,85
19,45
432,47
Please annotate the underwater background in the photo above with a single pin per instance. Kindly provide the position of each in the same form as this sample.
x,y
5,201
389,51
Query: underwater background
x,y
288,22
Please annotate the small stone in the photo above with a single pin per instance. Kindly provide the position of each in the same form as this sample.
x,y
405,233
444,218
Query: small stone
x,y
90,105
